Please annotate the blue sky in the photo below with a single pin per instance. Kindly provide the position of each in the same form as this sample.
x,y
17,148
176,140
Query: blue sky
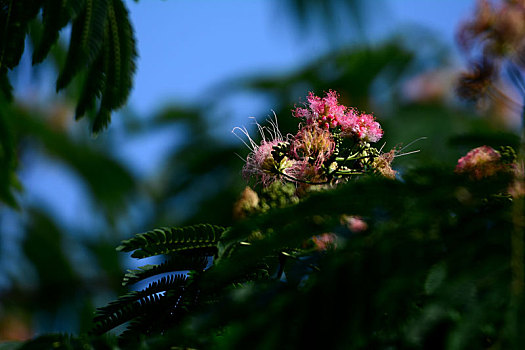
x,y
187,46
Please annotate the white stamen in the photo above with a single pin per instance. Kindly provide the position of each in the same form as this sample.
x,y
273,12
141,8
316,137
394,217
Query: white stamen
x,y
406,153
268,133
252,146
411,143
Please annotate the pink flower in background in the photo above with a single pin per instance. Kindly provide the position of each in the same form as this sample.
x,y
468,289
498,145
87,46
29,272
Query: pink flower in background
x,y
325,241
481,162
354,223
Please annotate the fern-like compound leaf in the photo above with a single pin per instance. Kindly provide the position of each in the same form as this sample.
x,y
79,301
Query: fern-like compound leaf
x,y
128,312
55,16
155,298
120,54
162,285
167,240
92,88
87,37
123,53
176,263
102,45
14,18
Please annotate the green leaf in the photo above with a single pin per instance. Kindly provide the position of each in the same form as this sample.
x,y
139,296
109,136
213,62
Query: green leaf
x,y
176,263
92,88
120,63
124,54
56,14
8,179
167,240
139,303
435,278
6,90
14,18
87,37
102,43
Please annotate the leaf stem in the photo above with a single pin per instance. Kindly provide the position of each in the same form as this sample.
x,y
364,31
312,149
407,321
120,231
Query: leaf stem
x,y
299,180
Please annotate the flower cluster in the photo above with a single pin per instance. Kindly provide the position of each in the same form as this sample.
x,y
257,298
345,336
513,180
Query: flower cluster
x,y
331,145
483,162
492,39
327,113
499,27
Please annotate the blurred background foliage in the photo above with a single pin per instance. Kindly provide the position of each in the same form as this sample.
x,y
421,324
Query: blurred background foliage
x,y
54,271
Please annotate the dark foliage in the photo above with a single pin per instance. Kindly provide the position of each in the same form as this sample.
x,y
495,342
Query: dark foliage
x,y
432,271
102,44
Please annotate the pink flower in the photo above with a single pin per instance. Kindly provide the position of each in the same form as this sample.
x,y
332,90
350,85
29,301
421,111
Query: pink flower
x,y
312,142
354,223
328,114
481,162
325,241
324,112
302,170
363,127
301,113
317,105
260,163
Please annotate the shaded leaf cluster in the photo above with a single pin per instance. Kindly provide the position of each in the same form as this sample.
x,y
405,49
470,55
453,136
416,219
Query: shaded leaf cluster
x,y
102,47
